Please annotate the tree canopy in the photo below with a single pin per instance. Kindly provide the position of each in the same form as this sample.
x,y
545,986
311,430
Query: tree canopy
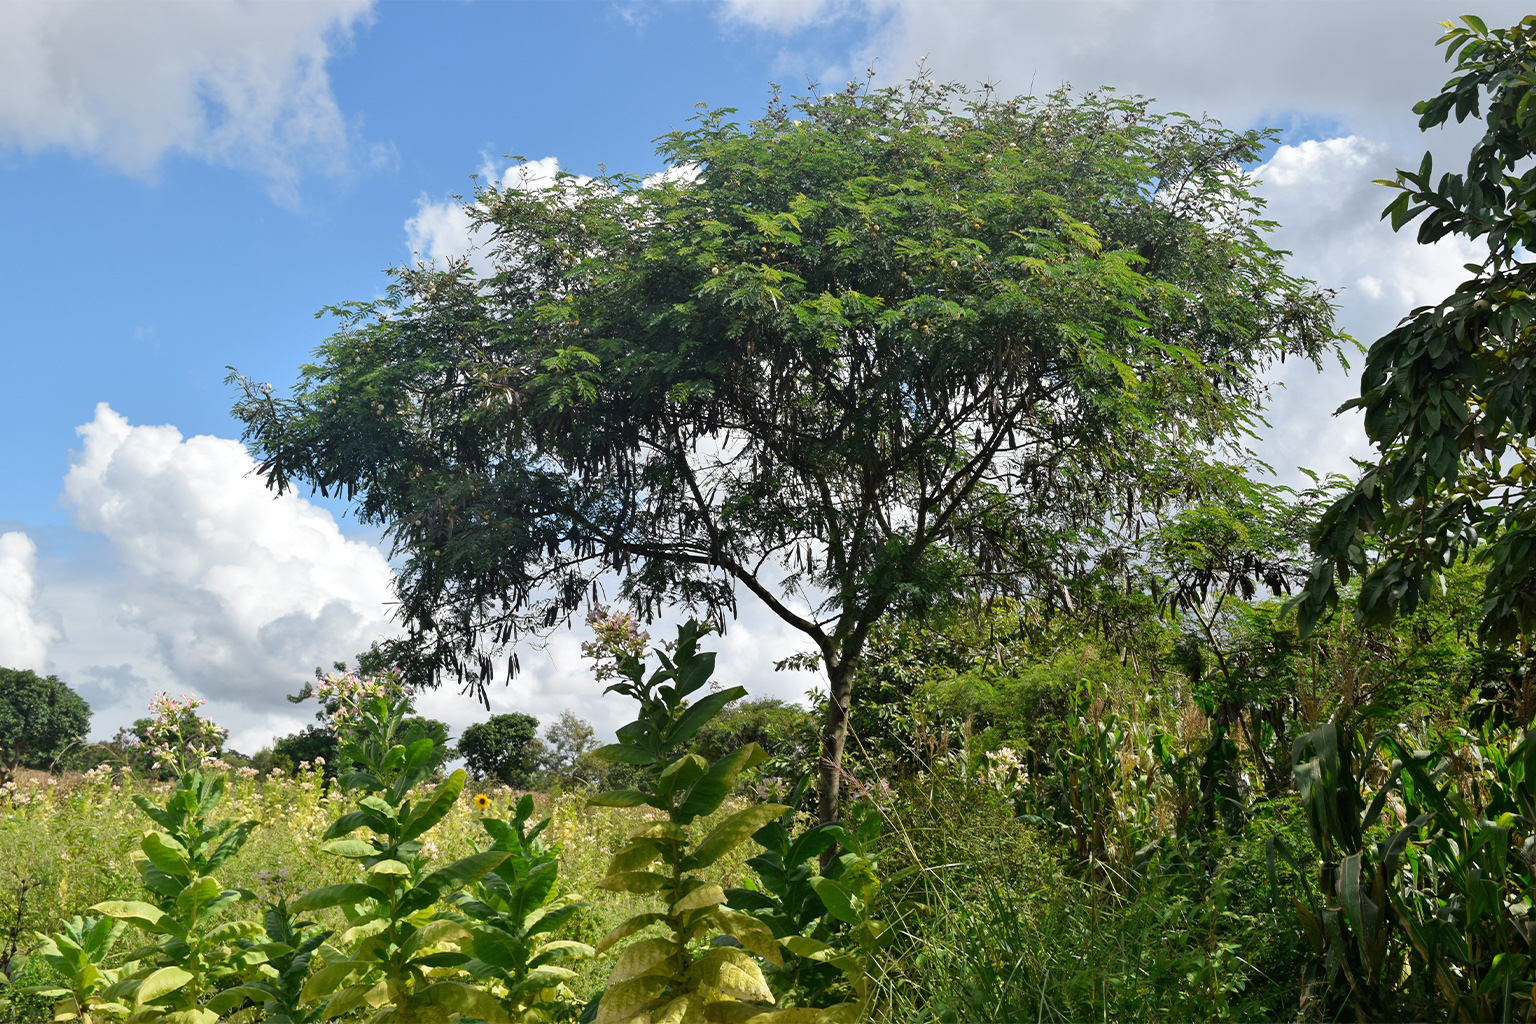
x,y
39,717
1447,393
505,748
872,349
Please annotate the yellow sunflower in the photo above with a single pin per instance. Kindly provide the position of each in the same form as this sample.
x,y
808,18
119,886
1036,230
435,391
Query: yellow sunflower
x,y
482,801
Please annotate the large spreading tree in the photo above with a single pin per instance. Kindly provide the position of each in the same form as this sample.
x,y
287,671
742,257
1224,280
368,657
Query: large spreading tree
x,y
872,349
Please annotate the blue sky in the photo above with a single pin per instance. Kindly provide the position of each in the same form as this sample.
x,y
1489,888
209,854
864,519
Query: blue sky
x,y
183,187
138,290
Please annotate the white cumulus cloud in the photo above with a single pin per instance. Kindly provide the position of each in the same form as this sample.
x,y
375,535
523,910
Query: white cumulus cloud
x,y
1321,193
442,231
240,594
190,576
227,81
1360,64
24,637
782,15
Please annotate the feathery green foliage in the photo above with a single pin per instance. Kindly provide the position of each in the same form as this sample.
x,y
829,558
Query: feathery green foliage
x,y
870,350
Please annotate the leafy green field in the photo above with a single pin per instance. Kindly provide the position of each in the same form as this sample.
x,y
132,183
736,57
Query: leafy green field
x,y
999,931
1110,855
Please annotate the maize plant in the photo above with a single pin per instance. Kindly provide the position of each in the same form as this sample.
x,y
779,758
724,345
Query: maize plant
x,y
1440,911
395,940
1100,809
1203,788
1351,918
700,967
1465,906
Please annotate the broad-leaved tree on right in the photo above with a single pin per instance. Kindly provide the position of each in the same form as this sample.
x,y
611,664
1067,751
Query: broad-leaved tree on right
x,y
1448,394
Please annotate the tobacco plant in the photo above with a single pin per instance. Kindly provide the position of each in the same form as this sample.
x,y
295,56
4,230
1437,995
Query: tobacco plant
x,y
277,984
697,961
785,896
512,914
191,955
820,913
77,953
395,939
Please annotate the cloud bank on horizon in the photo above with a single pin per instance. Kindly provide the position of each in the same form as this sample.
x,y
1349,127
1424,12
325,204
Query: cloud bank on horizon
x,y
24,637
212,584
186,574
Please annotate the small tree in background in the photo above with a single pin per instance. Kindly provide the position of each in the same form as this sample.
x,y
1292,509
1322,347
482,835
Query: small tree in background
x,y
567,742
39,717
505,748
314,743
786,732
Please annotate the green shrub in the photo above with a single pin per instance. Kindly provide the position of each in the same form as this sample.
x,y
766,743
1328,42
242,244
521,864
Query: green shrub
x,y
191,955
513,914
393,939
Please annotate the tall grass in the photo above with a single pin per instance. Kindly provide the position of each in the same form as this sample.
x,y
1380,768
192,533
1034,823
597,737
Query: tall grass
x,y
995,921
996,927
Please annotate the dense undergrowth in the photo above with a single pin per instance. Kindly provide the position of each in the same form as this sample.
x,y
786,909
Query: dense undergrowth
x,y
1126,864
995,927
1332,828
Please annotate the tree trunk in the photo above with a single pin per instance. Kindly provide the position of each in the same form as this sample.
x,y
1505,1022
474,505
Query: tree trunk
x,y
1260,759
834,736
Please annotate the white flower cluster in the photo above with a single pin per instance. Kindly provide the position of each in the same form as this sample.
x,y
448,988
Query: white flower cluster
x,y
20,794
619,638
12,793
344,693
1005,770
182,739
